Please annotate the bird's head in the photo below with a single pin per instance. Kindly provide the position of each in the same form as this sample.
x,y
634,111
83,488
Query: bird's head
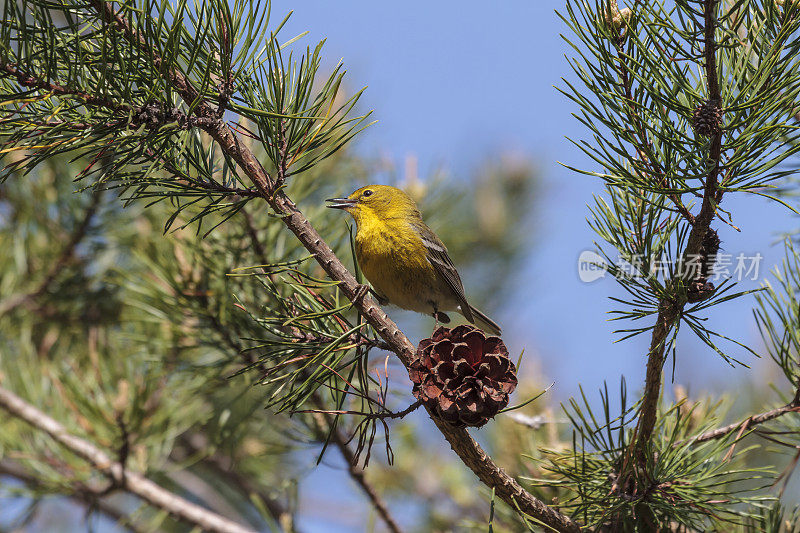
x,y
381,202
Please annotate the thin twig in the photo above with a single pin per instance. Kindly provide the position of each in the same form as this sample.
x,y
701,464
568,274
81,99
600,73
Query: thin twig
x,y
84,494
196,444
27,79
132,482
382,415
747,423
146,115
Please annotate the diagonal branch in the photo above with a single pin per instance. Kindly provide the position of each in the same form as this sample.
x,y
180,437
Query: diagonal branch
x,y
461,442
132,482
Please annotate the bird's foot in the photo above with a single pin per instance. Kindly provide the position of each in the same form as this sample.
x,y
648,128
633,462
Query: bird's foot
x,y
362,290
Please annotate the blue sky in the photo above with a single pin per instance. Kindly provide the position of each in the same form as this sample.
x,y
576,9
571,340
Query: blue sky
x,y
453,83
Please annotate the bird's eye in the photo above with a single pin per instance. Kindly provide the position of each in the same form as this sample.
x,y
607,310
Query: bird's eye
x,y
367,193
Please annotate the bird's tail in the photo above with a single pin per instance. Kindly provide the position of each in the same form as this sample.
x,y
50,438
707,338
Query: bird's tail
x,y
484,322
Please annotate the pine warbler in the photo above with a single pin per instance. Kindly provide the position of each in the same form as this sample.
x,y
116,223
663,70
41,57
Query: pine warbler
x,y
402,257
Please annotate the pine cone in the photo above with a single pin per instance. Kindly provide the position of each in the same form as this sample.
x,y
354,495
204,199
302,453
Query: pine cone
x,y
462,375
707,119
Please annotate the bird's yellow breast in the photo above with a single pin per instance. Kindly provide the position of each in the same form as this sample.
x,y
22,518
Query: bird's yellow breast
x,y
393,258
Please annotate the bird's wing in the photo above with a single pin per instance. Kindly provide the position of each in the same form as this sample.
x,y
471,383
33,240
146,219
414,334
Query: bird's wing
x,y
444,267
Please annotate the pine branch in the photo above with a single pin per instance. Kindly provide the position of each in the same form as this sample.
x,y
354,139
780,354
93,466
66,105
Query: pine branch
x,y
657,130
27,79
461,442
670,310
132,482
150,114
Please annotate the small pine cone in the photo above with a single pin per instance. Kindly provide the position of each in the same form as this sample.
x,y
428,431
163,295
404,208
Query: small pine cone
x,y
707,119
700,288
708,251
462,375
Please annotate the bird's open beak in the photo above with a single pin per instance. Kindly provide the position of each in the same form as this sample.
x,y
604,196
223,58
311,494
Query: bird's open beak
x,y
340,203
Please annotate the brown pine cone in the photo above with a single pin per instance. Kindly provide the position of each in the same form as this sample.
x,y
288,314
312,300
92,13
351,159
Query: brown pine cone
x,y
707,119
462,375
700,288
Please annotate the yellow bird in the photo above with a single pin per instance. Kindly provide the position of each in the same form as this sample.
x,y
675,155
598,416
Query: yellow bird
x,y
403,259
